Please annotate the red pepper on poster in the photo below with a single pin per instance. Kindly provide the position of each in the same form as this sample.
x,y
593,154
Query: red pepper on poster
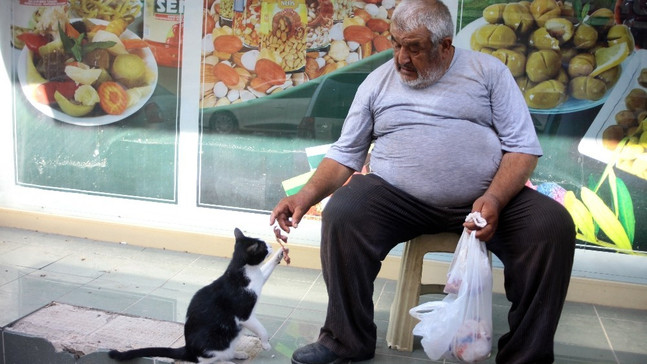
x,y
33,41
44,93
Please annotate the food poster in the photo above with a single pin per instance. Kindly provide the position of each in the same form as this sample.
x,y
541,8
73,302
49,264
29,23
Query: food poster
x,y
582,68
97,95
278,77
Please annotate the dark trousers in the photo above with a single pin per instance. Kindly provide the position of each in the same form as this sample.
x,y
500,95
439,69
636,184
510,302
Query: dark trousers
x,y
366,218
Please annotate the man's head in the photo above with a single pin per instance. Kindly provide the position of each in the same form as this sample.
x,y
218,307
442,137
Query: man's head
x,y
421,32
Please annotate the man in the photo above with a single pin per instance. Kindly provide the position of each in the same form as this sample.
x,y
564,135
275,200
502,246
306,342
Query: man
x,y
452,134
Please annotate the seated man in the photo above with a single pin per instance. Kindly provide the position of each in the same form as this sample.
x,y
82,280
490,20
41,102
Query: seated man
x,y
452,135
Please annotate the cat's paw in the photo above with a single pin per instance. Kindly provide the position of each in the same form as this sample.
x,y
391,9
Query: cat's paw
x,y
266,345
241,355
278,257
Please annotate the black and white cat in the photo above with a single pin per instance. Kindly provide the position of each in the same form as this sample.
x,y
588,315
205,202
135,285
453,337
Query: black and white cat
x,y
218,312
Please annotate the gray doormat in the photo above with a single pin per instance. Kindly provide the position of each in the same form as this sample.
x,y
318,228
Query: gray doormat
x,y
80,331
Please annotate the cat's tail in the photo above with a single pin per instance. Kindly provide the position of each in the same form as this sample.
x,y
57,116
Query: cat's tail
x,y
173,353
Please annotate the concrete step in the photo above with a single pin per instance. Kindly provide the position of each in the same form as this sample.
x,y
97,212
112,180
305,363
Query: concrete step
x,y
59,333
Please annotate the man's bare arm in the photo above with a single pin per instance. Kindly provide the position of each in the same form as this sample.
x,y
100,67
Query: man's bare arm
x,y
329,176
513,172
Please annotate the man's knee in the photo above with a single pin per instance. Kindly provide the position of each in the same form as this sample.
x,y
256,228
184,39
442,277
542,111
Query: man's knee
x,y
340,209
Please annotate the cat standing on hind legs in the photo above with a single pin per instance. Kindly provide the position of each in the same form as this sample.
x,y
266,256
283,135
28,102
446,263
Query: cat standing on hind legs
x,y
219,311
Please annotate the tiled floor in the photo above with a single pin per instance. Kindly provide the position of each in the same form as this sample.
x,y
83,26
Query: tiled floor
x,y
37,268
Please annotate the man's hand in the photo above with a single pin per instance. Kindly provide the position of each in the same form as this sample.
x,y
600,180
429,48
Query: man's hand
x,y
288,212
514,170
489,208
329,176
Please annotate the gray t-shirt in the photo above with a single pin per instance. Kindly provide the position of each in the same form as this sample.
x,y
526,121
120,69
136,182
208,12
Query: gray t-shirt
x,y
443,143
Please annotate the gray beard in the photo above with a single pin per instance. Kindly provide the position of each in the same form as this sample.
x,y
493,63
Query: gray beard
x,y
424,79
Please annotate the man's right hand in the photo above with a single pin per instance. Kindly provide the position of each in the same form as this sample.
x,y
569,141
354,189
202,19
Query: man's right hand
x,y
288,212
329,176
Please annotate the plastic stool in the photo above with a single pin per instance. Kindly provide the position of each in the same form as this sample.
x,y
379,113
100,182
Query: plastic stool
x,y
399,334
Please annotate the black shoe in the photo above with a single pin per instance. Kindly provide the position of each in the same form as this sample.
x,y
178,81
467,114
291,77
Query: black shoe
x,y
316,353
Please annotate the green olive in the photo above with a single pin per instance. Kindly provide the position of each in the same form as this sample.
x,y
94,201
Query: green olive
x,y
587,88
641,116
610,76
543,65
585,36
546,95
612,135
541,39
525,3
493,14
487,50
542,10
626,119
567,10
562,76
524,83
515,61
567,54
581,65
520,47
474,44
636,100
495,36
602,19
561,29
620,33
518,17
642,79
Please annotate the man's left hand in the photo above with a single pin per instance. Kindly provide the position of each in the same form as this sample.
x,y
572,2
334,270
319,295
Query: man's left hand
x,y
489,207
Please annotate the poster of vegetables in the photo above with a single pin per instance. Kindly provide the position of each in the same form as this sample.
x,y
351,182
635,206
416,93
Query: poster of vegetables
x,y
93,77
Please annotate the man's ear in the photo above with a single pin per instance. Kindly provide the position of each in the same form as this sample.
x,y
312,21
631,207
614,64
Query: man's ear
x,y
446,43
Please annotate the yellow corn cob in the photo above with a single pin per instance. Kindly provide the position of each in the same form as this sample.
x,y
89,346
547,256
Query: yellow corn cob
x,y
606,219
117,26
581,216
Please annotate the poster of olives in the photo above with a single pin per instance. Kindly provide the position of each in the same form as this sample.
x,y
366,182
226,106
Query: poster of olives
x,y
580,67
97,91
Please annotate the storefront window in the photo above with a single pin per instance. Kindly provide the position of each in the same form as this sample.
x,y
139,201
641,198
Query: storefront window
x,y
98,99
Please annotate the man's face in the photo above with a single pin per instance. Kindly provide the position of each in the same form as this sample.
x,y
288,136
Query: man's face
x,y
419,62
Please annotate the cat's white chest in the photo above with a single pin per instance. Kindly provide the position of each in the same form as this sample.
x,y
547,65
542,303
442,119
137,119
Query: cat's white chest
x,y
256,279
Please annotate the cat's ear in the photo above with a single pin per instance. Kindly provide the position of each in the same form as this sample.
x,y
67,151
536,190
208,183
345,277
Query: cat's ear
x,y
251,248
238,234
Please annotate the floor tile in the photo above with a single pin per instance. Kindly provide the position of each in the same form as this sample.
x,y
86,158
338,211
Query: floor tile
x,y
29,256
626,337
9,273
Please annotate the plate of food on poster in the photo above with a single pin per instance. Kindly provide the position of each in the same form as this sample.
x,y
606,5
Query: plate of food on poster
x,y
565,56
86,71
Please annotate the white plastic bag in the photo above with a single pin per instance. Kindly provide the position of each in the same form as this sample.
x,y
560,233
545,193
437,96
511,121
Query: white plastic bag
x,y
460,326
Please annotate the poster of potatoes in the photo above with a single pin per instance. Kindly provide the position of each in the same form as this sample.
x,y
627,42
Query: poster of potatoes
x,y
254,48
